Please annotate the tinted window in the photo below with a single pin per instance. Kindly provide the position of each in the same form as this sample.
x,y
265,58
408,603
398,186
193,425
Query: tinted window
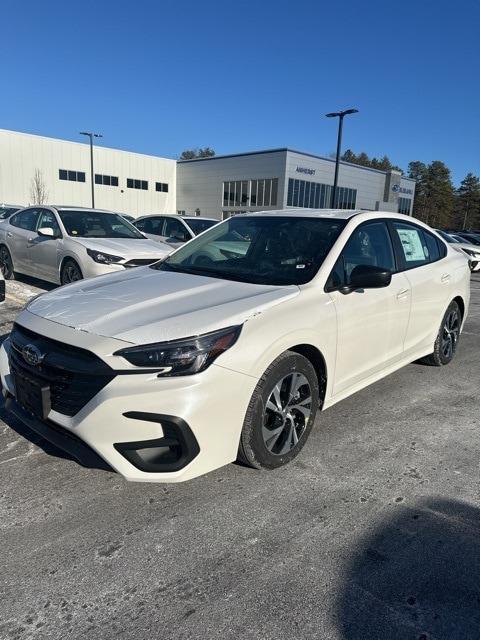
x,y
151,225
25,219
277,250
173,227
198,226
369,244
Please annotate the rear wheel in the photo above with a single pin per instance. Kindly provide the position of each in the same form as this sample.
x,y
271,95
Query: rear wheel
x,y
281,413
6,264
70,272
447,339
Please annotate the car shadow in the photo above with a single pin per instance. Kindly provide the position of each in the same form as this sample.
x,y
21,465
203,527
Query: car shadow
x,y
35,282
416,577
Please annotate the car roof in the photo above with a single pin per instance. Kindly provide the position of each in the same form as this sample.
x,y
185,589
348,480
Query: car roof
x,y
175,215
60,207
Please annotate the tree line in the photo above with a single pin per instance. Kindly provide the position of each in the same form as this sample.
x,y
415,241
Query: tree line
x,y
437,202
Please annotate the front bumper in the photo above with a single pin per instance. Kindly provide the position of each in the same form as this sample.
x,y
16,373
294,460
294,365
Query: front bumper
x,y
134,413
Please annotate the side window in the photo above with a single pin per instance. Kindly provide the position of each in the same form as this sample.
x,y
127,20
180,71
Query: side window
x,y
140,224
47,219
173,227
369,244
432,247
153,226
418,246
26,219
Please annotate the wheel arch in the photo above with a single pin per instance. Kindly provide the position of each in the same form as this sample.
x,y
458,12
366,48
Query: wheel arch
x,y
315,356
64,260
461,303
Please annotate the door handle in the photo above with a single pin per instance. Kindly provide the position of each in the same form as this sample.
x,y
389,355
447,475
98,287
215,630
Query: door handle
x,y
30,240
403,294
445,278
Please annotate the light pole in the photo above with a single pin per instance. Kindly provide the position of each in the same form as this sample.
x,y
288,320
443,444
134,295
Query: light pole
x,y
340,115
91,136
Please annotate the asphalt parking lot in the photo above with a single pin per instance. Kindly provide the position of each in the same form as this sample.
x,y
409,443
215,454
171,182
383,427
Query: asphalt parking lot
x,y
373,532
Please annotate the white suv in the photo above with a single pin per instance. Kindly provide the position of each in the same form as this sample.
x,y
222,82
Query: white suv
x,y
173,370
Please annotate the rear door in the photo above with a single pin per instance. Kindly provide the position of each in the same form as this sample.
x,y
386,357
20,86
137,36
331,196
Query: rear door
x,y
424,263
372,323
19,229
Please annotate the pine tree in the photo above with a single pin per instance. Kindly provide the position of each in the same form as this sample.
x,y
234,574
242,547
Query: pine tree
x,y
418,171
468,202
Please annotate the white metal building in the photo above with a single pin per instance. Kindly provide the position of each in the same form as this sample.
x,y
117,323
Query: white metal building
x,y
218,187
124,181
283,178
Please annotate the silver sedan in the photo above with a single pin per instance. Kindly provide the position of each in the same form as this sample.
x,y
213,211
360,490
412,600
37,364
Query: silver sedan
x,y
62,244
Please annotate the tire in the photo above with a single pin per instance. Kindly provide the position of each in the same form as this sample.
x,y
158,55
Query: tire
x,y
276,426
448,335
70,272
6,263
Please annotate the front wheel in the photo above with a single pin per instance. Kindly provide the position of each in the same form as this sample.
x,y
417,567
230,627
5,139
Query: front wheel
x,y
446,342
281,413
70,272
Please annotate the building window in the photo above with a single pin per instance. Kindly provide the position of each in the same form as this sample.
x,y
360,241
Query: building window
x,y
137,184
250,193
404,205
181,212
314,195
73,176
111,181
161,186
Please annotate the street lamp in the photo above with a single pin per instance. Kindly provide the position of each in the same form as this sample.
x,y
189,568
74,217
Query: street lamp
x,y
340,115
91,136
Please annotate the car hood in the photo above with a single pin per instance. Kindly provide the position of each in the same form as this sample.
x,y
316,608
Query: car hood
x,y
145,305
126,247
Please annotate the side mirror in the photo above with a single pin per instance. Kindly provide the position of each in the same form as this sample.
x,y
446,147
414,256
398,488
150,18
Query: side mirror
x,y
367,276
46,232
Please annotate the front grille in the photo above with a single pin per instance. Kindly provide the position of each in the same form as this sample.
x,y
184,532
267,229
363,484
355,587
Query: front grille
x,y
141,262
74,375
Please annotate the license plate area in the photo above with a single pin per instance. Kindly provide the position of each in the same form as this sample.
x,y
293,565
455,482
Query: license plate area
x,y
32,396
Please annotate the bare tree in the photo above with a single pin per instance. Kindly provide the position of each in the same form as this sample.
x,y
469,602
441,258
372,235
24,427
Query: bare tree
x,y
38,189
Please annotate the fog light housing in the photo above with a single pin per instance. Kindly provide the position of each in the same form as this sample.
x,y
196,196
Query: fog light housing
x,y
172,452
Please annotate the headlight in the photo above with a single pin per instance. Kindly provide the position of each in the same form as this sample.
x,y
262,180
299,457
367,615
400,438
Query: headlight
x,y
182,357
471,253
103,258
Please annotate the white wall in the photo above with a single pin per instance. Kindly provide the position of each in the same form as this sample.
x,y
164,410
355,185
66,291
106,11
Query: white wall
x,y
21,154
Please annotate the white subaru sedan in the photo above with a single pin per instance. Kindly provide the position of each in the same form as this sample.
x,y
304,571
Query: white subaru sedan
x,y
169,371
66,244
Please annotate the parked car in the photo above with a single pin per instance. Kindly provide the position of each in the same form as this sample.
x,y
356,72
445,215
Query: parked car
x,y
473,238
7,210
62,245
172,370
460,244
173,229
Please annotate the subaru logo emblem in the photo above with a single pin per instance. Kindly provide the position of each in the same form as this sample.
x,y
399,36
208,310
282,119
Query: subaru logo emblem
x,y
32,355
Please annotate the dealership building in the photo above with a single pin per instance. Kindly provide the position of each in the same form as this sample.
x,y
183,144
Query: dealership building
x,y
218,187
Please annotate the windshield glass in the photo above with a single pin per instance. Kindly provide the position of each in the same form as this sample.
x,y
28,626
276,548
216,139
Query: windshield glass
x,y
268,249
93,224
448,237
199,226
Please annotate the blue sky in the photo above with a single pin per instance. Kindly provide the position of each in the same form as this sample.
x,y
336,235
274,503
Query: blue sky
x,y
161,76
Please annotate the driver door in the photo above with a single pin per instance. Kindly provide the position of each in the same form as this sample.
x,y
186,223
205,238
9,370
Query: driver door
x,y
371,323
43,251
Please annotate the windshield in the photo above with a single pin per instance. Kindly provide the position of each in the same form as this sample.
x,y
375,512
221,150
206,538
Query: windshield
x,y
96,224
199,226
448,237
268,249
